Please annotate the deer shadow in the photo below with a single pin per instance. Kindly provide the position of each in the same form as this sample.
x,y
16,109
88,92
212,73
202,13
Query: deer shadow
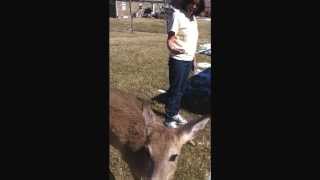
x,y
133,158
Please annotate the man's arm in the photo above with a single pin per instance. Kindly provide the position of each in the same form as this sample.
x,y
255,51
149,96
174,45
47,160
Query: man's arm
x,y
172,44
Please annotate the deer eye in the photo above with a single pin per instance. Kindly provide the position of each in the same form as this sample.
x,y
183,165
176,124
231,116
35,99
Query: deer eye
x,y
173,157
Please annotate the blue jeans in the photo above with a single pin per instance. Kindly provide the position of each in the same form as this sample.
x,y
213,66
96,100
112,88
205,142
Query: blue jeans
x,y
178,79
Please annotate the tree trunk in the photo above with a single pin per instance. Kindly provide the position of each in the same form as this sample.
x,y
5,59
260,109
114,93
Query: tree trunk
x,y
131,25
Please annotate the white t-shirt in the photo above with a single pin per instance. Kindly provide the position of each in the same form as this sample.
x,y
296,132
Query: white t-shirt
x,y
186,32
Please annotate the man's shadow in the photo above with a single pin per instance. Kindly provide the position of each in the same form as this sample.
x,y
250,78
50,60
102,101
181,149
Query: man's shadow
x,y
194,104
197,98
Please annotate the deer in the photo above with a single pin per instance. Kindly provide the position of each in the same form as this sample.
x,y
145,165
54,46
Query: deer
x,y
150,149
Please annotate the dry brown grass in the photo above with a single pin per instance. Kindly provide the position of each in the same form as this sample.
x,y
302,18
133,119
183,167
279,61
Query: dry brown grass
x,y
138,64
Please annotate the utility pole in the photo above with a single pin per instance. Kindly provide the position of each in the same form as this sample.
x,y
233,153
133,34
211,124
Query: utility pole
x,y
131,25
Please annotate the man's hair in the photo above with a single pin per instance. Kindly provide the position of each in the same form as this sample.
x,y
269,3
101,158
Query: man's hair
x,y
199,9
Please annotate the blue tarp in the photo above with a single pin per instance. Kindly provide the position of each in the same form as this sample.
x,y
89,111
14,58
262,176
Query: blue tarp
x,y
200,83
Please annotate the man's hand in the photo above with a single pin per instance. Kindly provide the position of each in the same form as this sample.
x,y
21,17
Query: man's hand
x,y
172,44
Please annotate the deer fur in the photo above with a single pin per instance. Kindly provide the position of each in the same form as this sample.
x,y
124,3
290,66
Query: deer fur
x,y
150,149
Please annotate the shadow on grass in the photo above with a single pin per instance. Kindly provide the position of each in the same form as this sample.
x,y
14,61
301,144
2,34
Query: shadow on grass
x,y
111,176
161,114
197,98
193,103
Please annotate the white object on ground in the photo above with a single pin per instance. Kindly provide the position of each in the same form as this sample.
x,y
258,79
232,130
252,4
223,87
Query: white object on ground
x,y
197,71
204,49
161,91
202,18
203,65
205,46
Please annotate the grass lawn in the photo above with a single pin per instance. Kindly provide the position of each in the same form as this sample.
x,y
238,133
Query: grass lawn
x,y
139,65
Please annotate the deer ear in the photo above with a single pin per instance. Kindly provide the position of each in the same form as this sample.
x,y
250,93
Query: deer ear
x,y
148,114
190,130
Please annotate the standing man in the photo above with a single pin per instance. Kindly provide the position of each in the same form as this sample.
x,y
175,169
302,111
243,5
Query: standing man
x,y
182,44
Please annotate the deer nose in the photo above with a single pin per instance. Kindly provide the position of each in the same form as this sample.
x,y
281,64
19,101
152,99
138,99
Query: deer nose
x,y
157,176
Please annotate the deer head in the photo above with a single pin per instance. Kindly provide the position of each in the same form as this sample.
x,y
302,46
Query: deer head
x,y
163,145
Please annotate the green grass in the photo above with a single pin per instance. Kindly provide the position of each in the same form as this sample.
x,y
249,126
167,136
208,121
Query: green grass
x,y
138,64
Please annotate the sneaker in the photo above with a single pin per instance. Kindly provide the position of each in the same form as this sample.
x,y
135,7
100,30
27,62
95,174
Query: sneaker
x,y
171,124
179,119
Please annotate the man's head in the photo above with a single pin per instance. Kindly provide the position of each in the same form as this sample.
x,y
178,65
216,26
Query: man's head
x,y
192,7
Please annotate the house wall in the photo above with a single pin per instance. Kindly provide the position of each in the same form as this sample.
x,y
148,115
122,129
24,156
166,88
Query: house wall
x,y
120,8
123,8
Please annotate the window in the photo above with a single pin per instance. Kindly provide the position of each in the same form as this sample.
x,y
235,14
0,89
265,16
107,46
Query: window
x,y
123,6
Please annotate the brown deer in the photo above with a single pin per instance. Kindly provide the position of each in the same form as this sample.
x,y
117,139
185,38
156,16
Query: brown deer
x,y
150,149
